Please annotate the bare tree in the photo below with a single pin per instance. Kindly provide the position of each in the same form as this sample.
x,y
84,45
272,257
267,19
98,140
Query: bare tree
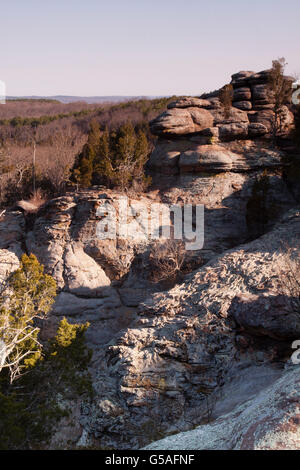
x,y
166,260
288,271
226,96
65,144
281,92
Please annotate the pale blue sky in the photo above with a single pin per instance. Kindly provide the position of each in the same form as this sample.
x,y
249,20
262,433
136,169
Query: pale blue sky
x,y
145,47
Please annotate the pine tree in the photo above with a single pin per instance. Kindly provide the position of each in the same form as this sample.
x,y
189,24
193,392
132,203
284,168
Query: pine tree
x,y
141,156
27,296
114,158
126,141
103,169
93,138
82,172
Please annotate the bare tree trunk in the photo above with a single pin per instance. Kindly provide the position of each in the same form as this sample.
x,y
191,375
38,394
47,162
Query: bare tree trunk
x,y
33,168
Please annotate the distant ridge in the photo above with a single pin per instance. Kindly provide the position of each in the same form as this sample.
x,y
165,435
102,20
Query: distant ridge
x,y
86,99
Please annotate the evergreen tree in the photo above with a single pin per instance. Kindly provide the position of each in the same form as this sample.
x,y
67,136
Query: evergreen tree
x,y
29,409
82,172
28,295
103,169
114,158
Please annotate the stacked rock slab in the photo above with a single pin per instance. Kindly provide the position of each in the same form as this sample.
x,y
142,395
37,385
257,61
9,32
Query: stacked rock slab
x,y
190,123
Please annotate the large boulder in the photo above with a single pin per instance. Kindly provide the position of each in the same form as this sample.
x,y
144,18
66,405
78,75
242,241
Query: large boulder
x,y
206,158
243,105
180,121
236,130
266,315
83,276
235,116
239,79
269,421
242,94
257,129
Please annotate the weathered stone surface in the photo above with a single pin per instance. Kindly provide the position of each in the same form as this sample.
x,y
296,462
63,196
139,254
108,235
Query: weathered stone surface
x,y
242,94
209,132
265,117
262,105
189,102
206,158
182,349
266,315
72,305
83,276
235,116
244,105
240,78
133,296
12,227
269,421
156,369
261,93
9,262
257,129
178,121
233,131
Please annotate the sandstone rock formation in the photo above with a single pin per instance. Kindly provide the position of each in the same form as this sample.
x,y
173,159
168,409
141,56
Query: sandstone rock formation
x,y
182,356
204,121
178,121
267,422
212,350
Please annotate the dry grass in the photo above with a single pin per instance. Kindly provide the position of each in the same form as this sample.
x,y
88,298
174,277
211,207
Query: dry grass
x,y
37,198
288,271
166,260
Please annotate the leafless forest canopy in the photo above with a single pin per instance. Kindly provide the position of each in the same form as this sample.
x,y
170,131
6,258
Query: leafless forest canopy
x,y
52,133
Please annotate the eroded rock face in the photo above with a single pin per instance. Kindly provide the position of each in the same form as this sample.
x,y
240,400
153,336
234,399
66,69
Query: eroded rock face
x,y
263,315
183,347
206,158
84,276
9,263
12,228
269,421
166,362
179,121
205,120
162,361
189,102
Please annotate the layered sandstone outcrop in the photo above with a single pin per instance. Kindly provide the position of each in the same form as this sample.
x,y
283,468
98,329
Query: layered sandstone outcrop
x,y
190,123
268,421
215,349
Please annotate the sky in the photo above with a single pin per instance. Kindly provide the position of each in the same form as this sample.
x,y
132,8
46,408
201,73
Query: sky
x,y
141,47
